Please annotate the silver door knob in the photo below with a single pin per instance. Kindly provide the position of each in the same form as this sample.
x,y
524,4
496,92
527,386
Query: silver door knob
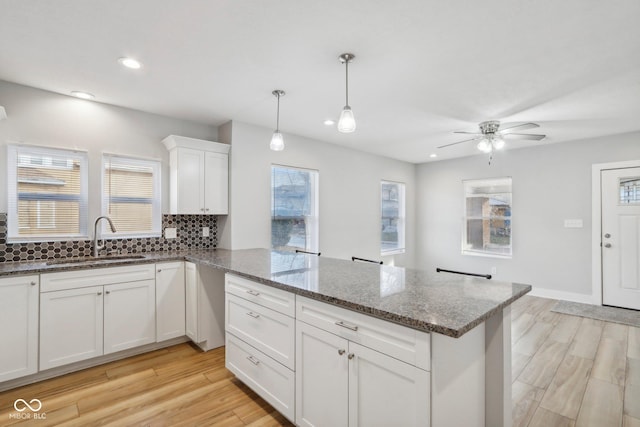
x,y
99,293
606,236
351,356
341,352
33,283
607,245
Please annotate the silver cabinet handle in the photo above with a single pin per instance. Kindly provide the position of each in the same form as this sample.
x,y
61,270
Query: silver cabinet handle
x,y
99,293
159,271
207,209
254,293
202,209
252,314
341,352
346,325
607,245
107,292
351,356
33,283
606,236
253,360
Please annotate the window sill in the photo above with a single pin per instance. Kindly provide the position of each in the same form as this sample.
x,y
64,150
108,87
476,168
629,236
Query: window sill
x,y
486,255
392,252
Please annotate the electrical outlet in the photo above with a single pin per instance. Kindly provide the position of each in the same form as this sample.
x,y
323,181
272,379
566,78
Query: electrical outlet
x,y
170,233
205,231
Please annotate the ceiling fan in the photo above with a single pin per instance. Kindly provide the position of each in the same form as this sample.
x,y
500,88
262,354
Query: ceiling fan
x,y
491,137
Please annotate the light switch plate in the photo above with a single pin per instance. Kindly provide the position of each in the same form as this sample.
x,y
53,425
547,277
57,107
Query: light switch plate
x,y
170,233
205,231
572,223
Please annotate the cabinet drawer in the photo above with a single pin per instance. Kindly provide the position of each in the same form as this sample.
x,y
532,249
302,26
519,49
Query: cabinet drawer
x,y
95,277
406,344
273,298
272,381
267,330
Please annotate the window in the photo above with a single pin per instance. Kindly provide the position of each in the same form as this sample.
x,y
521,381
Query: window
x,y
47,194
294,208
392,213
487,221
131,196
629,190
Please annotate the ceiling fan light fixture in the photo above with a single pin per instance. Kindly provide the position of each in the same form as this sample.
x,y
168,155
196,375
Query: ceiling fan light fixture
x,y
277,140
347,122
497,142
485,146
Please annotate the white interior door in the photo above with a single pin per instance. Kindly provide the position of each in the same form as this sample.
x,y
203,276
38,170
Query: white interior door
x,y
621,237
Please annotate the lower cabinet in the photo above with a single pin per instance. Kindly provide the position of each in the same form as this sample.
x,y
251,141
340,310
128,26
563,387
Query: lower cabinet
x,y
88,313
170,300
18,326
363,387
204,287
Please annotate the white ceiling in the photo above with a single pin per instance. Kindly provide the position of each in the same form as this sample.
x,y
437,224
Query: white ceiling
x,y
423,68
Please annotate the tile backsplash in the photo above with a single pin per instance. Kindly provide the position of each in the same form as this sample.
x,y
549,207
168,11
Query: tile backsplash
x,y
189,228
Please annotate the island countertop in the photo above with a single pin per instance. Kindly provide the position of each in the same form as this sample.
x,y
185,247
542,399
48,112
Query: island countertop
x,y
444,303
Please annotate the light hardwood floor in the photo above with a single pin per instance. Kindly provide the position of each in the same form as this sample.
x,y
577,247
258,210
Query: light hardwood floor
x,y
567,371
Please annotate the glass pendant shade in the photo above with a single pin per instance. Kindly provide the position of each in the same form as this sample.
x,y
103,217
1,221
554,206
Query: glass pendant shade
x,y
484,145
347,122
277,142
498,142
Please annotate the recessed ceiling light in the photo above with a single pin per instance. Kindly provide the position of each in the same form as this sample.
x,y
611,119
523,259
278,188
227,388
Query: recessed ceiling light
x,y
130,63
433,155
329,122
82,95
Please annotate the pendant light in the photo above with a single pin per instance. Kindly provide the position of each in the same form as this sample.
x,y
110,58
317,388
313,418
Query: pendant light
x,y
277,141
347,122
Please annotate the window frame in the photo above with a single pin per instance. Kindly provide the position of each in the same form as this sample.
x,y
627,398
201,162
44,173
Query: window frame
x,y
156,203
506,180
401,219
13,162
313,242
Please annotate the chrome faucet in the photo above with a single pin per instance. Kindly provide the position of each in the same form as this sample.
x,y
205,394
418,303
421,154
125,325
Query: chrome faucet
x,y
96,247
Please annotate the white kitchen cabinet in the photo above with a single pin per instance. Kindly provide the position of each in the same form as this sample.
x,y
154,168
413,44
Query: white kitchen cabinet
x,y
129,315
170,300
204,306
70,326
199,176
88,313
18,326
343,362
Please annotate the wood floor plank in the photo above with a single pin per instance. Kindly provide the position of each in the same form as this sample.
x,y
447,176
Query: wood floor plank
x,y
53,418
565,392
601,405
630,421
273,419
253,410
632,401
518,363
585,343
533,338
610,364
543,365
521,325
615,331
545,418
633,372
525,401
126,369
633,347
565,329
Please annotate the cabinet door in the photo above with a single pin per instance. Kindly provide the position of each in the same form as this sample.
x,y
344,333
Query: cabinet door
x,y
129,315
321,378
216,183
170,300
191,298
70,326
384,391
18,326
190,185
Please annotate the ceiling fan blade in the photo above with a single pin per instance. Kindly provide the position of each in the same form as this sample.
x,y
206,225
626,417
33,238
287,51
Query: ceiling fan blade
x,y
523,126
459,142
516,136
468,133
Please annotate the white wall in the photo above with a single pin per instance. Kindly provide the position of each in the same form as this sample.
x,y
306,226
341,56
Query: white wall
x,y
349,193
550,184
44,118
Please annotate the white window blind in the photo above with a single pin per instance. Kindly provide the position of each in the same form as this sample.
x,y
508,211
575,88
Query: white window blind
x,y
131,196
47,194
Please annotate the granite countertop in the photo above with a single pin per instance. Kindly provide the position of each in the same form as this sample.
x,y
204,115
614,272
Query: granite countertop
x,y
444,303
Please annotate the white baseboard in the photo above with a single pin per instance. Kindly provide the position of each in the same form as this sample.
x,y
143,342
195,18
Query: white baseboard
x,y
562,295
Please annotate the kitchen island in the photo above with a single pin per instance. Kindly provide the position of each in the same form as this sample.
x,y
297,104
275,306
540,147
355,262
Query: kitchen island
x,y
466,320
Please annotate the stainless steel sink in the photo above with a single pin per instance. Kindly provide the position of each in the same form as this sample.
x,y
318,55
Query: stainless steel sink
x,y
94,260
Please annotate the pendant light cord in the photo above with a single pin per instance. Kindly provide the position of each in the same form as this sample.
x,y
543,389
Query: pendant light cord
x,y
346,63
278,114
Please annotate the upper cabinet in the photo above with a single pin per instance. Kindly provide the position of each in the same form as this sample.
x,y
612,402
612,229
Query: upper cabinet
x,y
199,177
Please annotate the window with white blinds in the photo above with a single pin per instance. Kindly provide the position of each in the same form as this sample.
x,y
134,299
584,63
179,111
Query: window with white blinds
x,y
47,194
131,196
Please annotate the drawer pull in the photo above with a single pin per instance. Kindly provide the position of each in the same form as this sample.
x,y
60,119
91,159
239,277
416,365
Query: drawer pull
x,y
99,293
346,325
341,352
33,283
252,314
351,356
252,292
253,360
